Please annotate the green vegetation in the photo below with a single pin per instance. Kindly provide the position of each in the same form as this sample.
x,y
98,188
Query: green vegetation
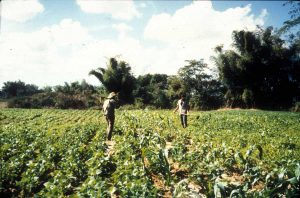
x,y
237,153
260,71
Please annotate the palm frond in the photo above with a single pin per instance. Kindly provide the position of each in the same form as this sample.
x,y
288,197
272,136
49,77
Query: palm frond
x,y
97,75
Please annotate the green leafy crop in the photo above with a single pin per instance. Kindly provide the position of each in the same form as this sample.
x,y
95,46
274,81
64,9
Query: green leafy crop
x,y
233,153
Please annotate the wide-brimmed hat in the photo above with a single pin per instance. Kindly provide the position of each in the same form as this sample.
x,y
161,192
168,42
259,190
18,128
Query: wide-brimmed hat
x,y
111,95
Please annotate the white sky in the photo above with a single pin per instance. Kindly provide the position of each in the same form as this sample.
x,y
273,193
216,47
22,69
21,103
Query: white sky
x,y
65,50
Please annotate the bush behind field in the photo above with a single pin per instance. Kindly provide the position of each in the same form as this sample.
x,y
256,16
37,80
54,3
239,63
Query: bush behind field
x,y
55,100
91,100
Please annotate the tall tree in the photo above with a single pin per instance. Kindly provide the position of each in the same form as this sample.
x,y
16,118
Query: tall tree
x,y
18,88
151,89
117,77
289,29
198,83
258,71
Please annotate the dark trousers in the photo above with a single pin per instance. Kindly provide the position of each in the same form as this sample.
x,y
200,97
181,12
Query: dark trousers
x,y
183,119
110,126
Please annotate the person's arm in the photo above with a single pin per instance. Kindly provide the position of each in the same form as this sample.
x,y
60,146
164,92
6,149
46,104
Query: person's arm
x,y
104,106
176,109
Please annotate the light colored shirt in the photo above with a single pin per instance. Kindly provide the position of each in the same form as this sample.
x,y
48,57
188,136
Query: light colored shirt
x,y
109,107
182,107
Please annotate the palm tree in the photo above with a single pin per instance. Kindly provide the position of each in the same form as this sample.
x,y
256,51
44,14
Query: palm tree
x,y
116,77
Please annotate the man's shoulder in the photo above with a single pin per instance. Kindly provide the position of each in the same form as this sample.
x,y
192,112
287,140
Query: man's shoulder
x,y
107,103
111,102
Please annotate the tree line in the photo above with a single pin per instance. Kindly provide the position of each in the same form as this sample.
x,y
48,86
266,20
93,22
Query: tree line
x,y
261,71
156,91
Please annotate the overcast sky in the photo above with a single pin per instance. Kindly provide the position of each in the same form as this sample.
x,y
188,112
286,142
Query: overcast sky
x,y
49,42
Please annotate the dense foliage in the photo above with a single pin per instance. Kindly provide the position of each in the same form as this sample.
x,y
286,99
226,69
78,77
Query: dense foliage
x,y
260,72
17,89
152,89
204,91
74,95
237,153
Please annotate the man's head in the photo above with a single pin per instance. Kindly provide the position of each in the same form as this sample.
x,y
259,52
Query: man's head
x,y
112,95
182,97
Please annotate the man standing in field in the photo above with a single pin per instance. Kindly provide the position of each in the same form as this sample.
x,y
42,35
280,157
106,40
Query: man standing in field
x,y
183,108
109,106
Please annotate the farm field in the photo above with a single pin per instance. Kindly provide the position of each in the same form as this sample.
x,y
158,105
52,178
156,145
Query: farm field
x,y
229,153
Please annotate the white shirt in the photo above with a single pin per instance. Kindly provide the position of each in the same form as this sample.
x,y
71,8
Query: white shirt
x,y
182,106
